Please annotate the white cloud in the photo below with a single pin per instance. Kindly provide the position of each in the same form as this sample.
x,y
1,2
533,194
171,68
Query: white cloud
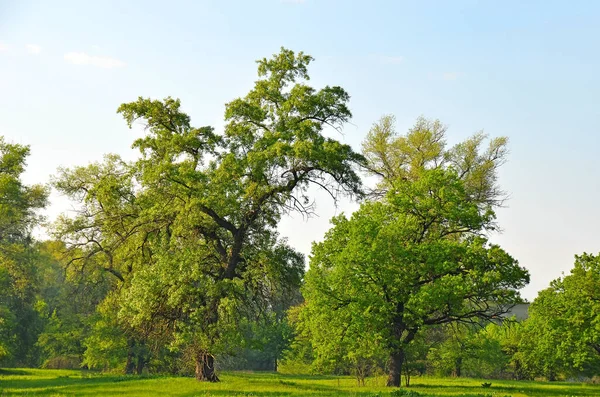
x,y
33,48
3,47
81,58
391,60
450,76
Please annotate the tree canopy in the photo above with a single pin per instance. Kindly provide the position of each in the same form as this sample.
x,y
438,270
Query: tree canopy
x,y
562,333
19,204
173,262
416,257
190,228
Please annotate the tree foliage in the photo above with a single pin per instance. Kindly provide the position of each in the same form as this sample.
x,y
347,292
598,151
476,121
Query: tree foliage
x,y
189,229
173,262
19,203
562,334
67,301
418,256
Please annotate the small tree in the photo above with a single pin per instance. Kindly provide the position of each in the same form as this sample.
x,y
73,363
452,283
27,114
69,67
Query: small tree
x,y
450,356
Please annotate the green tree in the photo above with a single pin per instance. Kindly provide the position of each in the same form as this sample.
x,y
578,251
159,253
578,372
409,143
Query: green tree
x,y
562,333
109,235
299,358
539,346
489,359
192,230
450,355
471,350
415,358
508,334
418,256
67,301
19,203
269,334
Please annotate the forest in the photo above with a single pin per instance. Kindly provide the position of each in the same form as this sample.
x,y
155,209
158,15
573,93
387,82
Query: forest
x,y
172,263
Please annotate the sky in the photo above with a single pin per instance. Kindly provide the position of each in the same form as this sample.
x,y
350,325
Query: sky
x,y
528,70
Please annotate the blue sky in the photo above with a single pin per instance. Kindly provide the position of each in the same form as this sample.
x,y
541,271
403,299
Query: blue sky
x,y
525,69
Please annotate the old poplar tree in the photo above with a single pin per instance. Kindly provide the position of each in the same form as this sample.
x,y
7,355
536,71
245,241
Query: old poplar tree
x,y
189,229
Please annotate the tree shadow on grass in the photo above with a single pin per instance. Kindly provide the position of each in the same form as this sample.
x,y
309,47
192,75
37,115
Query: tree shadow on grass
x,y
328,393
240,393
66,381
309,387
277,375
307,377
11,371
526,388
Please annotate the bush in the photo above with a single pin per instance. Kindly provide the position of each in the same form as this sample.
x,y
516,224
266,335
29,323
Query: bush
x,y
63,362
294,367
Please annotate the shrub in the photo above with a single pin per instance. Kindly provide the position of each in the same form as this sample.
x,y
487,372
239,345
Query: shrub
x,y
63,362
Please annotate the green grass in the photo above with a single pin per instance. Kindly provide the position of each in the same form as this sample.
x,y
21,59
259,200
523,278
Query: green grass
x,y
36,382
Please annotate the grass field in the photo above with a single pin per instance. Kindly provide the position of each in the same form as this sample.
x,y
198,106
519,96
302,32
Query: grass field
x,y
35,382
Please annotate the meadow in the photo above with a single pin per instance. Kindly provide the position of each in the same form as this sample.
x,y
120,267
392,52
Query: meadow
x,y
57,383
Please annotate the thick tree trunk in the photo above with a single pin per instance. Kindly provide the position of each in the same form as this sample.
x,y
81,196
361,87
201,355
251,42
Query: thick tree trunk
x,y
395,368
205,367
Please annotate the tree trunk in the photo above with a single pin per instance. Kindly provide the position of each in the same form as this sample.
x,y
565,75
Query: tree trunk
x,y
205,367
141,361
129,365
517,373
395,365
458,367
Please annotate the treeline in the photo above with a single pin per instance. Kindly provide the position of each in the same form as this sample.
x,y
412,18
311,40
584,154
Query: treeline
x,y
172,263
533,349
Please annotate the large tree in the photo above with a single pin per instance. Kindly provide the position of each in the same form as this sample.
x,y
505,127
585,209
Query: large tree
x,y
19,203
193,233
418,255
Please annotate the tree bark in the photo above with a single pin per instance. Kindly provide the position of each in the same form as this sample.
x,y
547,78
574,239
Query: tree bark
x,y
141,362
129,365
517,373
205,367
395,368
458,367
406,374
